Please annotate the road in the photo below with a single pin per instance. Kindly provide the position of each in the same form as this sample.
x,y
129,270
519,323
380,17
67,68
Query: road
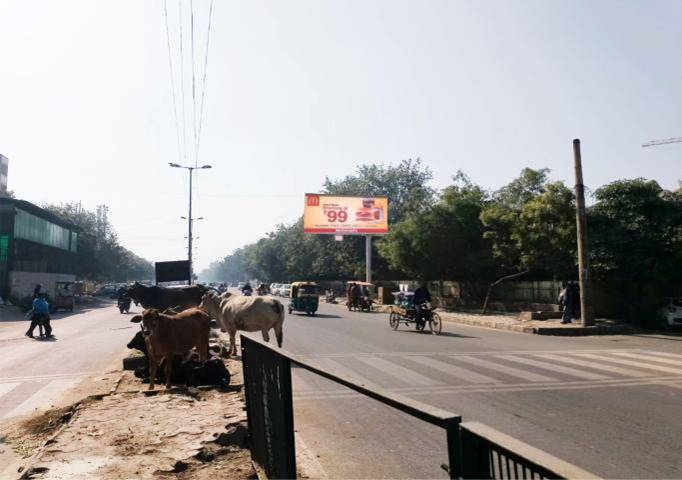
x,y
608,404
35,373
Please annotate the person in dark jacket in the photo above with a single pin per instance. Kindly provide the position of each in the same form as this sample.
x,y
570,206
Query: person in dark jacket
x,y
420,299
570,300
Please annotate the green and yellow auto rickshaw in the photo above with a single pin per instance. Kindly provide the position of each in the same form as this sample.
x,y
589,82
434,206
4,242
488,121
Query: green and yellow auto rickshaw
x,y
304,298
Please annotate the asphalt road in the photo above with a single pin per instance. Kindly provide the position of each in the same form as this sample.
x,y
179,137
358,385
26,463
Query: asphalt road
x,y
611,405
34,373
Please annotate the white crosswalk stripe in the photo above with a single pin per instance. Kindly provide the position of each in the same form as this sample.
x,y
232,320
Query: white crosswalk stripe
x,y
42,397
632,363
555,368
507,370
417,373
643,356
454,370
626,372
7,387
399,372
664,354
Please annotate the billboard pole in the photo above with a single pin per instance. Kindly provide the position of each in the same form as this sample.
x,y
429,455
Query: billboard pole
x,y
368,258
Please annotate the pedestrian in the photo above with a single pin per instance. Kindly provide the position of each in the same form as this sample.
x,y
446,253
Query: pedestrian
x,y
570,300
40,316
37,290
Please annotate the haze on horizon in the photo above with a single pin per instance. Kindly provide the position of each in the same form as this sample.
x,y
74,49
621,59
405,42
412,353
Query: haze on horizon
x,y
300,90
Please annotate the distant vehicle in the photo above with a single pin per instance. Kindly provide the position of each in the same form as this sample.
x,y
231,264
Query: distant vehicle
x,y
285,290
109,290
672,313
274,289
304,298
63,296
240,285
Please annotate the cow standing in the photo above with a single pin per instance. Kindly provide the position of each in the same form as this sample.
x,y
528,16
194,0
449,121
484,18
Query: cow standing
x,y
249,314
163,298
168,335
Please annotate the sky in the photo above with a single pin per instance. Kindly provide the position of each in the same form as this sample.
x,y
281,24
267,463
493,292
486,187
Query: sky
x,y
298,90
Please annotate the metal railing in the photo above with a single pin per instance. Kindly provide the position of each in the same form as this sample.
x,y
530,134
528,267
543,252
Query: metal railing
x,y
474,450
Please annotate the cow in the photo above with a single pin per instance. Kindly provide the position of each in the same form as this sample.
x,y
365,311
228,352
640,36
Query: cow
x,y
248,314
169,335
163,298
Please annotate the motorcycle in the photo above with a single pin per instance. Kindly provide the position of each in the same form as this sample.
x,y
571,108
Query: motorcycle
x,y
330,296
247,293
124,304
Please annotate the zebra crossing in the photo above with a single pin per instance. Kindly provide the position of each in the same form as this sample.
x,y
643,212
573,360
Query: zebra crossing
x,y
22,395
424,373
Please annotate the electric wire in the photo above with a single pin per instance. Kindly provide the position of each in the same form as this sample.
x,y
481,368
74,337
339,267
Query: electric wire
x,y
182,86
172,79
203,81
194,99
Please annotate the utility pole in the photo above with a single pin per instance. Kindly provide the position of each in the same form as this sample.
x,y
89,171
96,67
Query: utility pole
x,y
368,259
586,308
189,234
189,217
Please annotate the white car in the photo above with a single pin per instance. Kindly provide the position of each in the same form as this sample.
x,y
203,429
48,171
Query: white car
x,y
672,312
274,288
285,290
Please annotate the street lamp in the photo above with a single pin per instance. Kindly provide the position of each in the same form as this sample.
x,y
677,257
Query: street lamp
x,y
189,216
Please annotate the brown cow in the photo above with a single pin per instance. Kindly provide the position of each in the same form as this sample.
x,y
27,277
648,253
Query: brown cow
x,y
168,335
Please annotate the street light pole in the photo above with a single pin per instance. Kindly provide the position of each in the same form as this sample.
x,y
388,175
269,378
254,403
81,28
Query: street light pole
x,y
190,220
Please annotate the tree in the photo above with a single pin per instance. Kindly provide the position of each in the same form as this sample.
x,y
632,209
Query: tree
x,y
99,255
445,240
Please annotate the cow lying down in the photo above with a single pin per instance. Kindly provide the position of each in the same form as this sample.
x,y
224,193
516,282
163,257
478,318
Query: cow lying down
x,y
249,314
169,335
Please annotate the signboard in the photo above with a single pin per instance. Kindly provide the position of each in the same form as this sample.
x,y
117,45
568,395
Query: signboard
x,y
172,271
344,215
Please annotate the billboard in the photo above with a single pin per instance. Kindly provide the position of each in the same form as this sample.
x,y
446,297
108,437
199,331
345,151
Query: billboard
x,y
345,215
172,271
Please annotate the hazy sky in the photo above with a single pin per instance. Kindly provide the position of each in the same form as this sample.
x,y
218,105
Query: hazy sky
x,y
297,90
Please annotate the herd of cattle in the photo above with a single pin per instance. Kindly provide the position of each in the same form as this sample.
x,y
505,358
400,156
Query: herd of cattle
x,y
177,320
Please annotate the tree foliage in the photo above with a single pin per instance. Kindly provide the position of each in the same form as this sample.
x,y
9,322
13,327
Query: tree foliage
x,y
100,256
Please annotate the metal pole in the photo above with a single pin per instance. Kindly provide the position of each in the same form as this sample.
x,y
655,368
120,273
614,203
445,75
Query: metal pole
x,y
189,223
368,259
586,308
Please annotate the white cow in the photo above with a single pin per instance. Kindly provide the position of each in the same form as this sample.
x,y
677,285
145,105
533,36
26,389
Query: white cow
x,y
248,314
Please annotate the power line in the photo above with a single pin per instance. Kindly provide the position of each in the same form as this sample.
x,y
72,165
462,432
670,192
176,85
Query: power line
x,y
182,85
194,99
172,79
203,82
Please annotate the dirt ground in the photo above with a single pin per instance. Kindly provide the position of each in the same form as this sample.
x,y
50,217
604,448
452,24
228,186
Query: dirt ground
x,y
179,433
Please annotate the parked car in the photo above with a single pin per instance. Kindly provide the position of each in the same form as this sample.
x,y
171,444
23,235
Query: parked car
x,y
285,290
273,287
672,313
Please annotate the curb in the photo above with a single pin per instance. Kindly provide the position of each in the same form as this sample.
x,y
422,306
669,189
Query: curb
x,y
556,331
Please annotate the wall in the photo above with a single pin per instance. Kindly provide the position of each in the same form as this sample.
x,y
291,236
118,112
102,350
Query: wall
x,y
23,283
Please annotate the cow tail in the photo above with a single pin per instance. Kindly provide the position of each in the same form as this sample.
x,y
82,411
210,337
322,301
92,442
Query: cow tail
x,y
279,333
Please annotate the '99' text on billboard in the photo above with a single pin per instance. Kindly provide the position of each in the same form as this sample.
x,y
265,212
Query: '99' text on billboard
x,y
342,215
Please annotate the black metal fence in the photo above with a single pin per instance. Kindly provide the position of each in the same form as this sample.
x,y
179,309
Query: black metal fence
x,y
474,450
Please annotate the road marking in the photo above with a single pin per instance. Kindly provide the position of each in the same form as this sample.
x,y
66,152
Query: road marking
x,y
454,370
661,354
626,372
5,388
42,397
632,363
650,358
401,373
300,384
514,372
555,368
342,370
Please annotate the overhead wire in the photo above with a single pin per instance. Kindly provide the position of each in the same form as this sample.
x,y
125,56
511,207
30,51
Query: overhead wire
x,y
182,86
172,79
203,81
194,99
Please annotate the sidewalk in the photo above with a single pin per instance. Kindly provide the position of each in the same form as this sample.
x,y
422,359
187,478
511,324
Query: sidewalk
x,y
511,322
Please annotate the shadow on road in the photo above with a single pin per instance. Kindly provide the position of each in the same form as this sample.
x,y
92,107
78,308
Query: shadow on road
x,y
442,334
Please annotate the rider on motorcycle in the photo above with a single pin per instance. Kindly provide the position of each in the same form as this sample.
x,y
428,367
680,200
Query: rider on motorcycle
x,y
247,290
420,299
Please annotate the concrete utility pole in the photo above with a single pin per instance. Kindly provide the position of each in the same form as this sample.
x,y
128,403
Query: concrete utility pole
x,y
368,259
586,308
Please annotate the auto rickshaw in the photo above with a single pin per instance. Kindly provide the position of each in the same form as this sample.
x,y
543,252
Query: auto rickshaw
x,y
63,296
363,301
304,298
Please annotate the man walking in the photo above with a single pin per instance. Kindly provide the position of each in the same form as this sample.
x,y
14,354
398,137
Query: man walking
x,y
570,299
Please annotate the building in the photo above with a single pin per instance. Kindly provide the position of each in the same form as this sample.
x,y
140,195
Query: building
x,y
4,167
36,247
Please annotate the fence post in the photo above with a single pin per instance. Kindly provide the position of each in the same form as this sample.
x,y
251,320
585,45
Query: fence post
x,y
454,450
269,407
